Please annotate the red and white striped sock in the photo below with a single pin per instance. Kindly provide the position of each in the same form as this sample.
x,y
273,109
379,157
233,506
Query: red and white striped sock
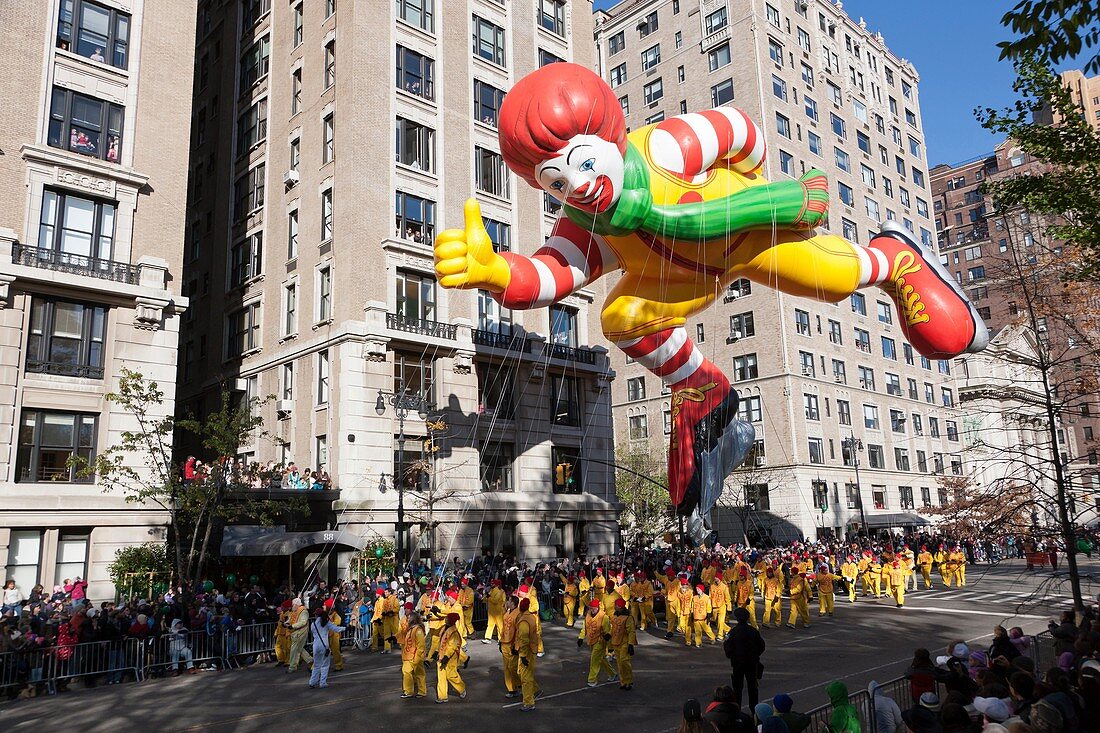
x,y
874,268
669,354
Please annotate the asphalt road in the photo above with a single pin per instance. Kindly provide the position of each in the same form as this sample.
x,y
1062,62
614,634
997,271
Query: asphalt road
x,y
867,640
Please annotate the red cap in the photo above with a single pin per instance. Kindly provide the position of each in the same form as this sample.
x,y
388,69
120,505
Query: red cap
x,y
465,582
495,581
924,548
670,572
620,603
684,581
599,570
408,605
525,605
700,587
571,578
744,572
452,619
594,603
452,594
522,589
380,592
328,603
285,606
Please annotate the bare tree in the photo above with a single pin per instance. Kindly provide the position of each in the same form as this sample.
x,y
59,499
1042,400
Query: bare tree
x,y
747,497
641,487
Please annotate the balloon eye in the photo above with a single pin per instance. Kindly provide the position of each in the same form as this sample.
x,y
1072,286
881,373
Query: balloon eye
x,y
557,185
588,164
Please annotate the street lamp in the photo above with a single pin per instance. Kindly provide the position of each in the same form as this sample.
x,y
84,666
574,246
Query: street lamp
x,y
403,402
854,445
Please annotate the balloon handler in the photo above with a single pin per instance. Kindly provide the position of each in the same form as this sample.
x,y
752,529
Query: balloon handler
x,y
681,209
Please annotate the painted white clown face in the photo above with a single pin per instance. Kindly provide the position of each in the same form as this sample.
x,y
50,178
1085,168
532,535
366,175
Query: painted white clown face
x,y
587,174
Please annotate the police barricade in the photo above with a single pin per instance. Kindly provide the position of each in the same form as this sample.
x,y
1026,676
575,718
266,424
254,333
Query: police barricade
x,y
44,667
167,652
861,701
1041,651
481,614
899,690
244,643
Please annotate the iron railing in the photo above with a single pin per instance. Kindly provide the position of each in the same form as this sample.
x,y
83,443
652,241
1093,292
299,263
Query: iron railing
x,y
497,340
422,326
64,369
572,353
52,259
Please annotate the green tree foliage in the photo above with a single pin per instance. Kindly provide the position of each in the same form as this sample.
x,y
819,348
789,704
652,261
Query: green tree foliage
x,y
647,512
140,568
1066,188
1054,29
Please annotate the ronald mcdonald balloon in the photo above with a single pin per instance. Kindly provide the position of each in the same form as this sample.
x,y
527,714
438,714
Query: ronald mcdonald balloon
x,y
681,209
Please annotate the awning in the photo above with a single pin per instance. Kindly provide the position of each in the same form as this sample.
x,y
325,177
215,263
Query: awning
x,y
899,519
253,541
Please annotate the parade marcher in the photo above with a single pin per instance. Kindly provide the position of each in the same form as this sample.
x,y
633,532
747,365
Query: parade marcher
x,y
850,571
529,592
960,567
641,590
940,558
322,652
874,575
466,601
825,580
334,639
437,619
800,600
720,602
623,640
773,597
743,647
450,653
379,636
700,613
924,562
413,642
745,593
299,634
897,582
508,652
684,599
282,636
909,563
494,606
864,566
670,587
596,632
570,593
528,639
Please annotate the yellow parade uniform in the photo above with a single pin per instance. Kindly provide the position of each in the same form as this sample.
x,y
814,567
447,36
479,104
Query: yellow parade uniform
x,y
642,608
528,641
773,599
924,561
282,638
800,601
960,568
700,612
874,574
825,591
532,597
897,583
466,602
708,575
684,596
623,640
494,604
720,601
940,558
744,597
413,652
758,574
865,579
334,642
450,652
850,571
508,650
593,632
569,600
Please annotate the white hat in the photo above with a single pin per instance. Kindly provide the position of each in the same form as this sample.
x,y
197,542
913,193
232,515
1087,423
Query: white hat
x,y
994,708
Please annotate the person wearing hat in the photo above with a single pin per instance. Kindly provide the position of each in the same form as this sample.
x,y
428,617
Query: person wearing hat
x,y
849,571
924,716
450,653
412,639
784,710
693,719
596,632
570,593
282,635
896,574
924,562
844,717
685,597
720,602
701,609
377,623
887,712
641,590
623,640
334,639
800,600
466,603
672,604
299,633
773,597
745,593
995,709
527,641
825,590
322,629
507,646
494,605
437,617
743,647
864,566
529,592
874,575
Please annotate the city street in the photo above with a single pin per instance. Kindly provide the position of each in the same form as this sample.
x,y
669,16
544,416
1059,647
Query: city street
x,y
870,640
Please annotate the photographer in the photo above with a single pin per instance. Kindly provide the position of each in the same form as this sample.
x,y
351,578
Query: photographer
x,y
322,650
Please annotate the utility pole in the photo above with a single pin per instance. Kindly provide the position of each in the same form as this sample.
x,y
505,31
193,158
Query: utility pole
x,y
402,402
854,445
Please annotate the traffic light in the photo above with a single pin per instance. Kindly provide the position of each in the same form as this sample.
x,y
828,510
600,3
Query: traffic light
x,y
563,475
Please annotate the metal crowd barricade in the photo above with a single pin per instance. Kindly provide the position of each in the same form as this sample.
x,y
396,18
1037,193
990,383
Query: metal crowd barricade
x,y
1041,651
861,701
249,640
164,653
899,690
49,665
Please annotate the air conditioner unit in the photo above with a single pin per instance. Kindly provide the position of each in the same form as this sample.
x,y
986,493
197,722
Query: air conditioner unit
x,y
290,178
761,461
731,296
802,4
283,409
807,372
240,385
838,379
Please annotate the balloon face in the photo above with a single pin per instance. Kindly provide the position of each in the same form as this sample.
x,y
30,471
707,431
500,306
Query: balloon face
x,y
587,174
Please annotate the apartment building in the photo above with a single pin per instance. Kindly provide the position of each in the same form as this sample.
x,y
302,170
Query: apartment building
x,y
1085,92
92,184
358,131
814,377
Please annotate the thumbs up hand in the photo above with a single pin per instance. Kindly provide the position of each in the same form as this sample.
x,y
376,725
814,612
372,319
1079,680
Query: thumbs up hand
x,y
464,258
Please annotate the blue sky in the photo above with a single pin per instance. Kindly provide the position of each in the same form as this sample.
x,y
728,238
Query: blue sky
x,y
953,47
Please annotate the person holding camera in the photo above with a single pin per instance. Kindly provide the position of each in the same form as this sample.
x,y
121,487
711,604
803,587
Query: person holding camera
x,y
321,627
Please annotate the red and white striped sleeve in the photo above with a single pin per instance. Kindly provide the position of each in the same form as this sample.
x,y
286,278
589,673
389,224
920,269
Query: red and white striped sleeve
x,y
688,145
571,258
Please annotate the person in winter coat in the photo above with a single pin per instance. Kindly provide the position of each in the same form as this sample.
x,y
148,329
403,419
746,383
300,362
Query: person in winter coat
x,y
299,633
796,722
1002,645
845,717
725,714
887,712
743,647
322,629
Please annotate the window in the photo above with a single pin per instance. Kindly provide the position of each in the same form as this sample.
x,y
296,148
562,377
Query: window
x,y
802,322
416,145
563,326
700,334
867,378
811,108
651,57
24,555
292,235
843,162
653,92
783,125
419,13
415,296
326,215
324,294
415,218
859,303
546,58
934,426
570,475
288,381
490,173
496,467
252,127
834,333
255,62
807,75
779,88
844,412
851,495
817,453
847,195
952,430
249,192
648,25
551,14
786,163
918,177
948,396
867,174
299,34
85,125
878,496
618,75
745,367
322,378
500,234
243,333
897,421
870,417
718,57
94,32
835,94
328,138
330,64
721,93
810,406
295,92
889,350
253,10
875,456
751,410
815,143
66,338
487,101
775,52
742,326
624,102
837,123
616,43
893,385
77,226
496,391
715,21
848,230
635,388
566,401
678,39
415,73
804,40
638,426
414,373
491,317
488,41
246,259
290,309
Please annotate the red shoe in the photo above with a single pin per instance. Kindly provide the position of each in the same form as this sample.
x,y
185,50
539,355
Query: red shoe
x,y
935,315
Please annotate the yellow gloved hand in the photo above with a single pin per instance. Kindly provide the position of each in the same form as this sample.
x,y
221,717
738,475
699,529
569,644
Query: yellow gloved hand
x,y
464,258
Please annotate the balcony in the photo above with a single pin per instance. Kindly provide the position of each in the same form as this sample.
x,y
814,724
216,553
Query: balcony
x,y
570,353
64,369
496,340
422,326
50,259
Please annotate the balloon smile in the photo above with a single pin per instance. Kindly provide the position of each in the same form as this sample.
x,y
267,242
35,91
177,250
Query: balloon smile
x,y
599,198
